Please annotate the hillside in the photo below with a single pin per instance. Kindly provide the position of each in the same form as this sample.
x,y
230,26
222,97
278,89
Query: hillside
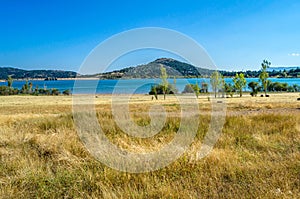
x,y
282,68
34,74
152,70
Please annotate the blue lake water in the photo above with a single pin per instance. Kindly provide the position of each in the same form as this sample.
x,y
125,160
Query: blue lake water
x,y
138,86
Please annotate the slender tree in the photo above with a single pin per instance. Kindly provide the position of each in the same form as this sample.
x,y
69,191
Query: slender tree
x,y
215,81
9,81
196,89
164,80
30,87
239,83
263,76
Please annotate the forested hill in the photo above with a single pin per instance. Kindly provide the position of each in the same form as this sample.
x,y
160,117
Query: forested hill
x,y
173,67
34,74
180,69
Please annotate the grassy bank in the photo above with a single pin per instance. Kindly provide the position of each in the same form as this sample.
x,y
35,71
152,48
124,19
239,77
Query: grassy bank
x,y
257,155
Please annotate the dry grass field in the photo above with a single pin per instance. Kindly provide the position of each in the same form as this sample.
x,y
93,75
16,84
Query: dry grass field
x,y
256,156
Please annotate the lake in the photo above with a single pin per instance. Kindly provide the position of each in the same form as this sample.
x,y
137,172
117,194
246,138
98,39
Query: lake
x,y
137,86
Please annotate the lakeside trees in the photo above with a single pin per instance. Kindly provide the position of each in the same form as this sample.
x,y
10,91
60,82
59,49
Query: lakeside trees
x,y
216,82
239,83
164,87
164,81
254,86
27,88
263,76
229,89
192,88
9,81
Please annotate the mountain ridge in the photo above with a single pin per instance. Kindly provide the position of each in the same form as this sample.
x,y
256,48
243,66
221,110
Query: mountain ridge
x,y
152,69
17,73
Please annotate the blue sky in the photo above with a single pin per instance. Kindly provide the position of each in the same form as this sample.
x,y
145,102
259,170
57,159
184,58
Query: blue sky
x,y
238,35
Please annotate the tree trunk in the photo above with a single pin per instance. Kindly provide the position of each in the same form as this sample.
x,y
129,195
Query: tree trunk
x,y
265,92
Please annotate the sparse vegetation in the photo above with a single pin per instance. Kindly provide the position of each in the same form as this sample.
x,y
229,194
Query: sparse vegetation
x,y
216,82
254,87
257,155
192,88
164,81
239,83
263,76
27,88
229,89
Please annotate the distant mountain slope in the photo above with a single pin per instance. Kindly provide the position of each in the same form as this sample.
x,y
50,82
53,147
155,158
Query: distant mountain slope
x,y
34,74
152,70
282,68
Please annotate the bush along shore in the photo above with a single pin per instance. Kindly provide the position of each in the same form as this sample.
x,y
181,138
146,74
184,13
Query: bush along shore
x,y
29,89
218,85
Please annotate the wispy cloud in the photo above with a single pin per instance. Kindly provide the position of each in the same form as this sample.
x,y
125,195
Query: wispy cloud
x,y
294,54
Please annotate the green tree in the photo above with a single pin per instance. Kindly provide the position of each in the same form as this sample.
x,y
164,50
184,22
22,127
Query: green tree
x,y
30,87
164,80
196,89
216,82
229,89
55,91
239,83
254,87
263,76
9,81
204,87
67,92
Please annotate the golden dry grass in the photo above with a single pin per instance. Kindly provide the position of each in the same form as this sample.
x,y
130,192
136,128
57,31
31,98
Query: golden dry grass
x,y
257,155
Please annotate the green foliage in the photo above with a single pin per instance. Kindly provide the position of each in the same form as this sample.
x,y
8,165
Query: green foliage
x,y
278,87
229,89
274,73
263,76
204,87
67,92
27,88
239,83
24,74
254,87
55,91
192,88
158,90
9,81
164,80
216,82
5,90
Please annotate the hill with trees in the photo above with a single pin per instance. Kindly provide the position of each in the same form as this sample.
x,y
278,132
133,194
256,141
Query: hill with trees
x,y
174,68
16,73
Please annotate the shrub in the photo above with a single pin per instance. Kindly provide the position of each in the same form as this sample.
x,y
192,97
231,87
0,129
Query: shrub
x,y
158,89
67,92
55,91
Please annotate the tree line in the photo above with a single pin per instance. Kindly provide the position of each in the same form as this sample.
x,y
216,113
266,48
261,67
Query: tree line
x,y
28,88
219,85
293,73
